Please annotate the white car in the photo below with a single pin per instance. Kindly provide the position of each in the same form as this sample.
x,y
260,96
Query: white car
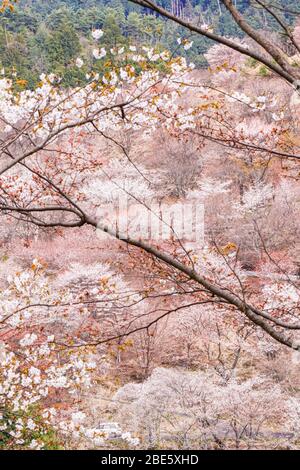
x,y
112,430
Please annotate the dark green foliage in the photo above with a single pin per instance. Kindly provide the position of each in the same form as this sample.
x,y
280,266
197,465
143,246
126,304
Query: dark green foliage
x,y
43,36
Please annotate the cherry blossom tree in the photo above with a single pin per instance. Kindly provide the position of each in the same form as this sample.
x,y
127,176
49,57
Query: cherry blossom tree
x,y
179,409
67,155
36,376
41,120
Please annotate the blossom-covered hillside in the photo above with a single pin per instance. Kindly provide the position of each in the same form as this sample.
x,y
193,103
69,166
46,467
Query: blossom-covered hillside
x,y
149,253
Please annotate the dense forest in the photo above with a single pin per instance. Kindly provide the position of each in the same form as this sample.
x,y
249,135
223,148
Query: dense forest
x,y
47,36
